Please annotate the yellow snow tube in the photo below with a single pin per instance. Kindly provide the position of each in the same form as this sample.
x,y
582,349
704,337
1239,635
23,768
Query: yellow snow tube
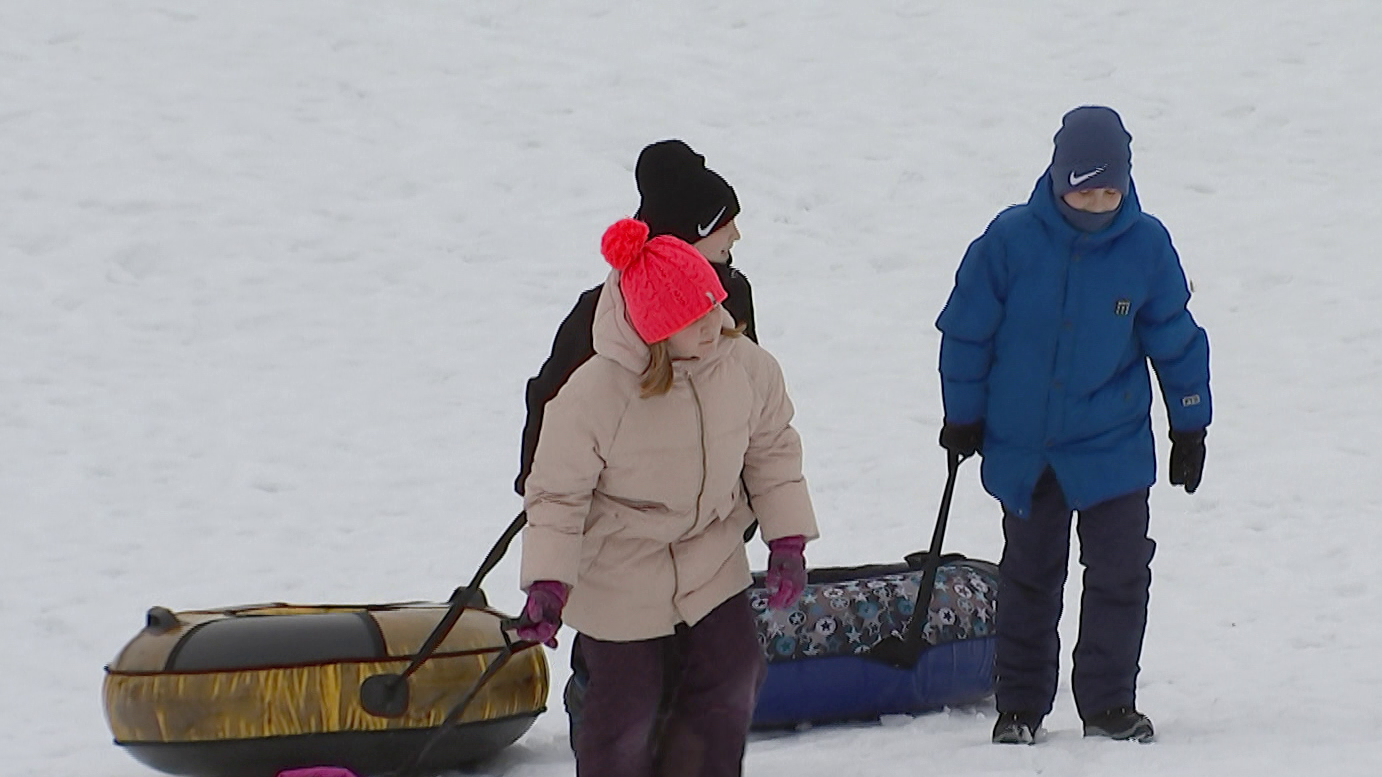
x,y
249,691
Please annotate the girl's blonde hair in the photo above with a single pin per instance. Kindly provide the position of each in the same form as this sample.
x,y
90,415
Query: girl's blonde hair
x,y
657,378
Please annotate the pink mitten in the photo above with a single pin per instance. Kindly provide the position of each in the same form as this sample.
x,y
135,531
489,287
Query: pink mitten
x,y
786,577
542,612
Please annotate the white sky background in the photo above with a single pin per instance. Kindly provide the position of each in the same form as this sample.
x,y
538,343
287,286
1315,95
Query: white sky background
x,y
272,277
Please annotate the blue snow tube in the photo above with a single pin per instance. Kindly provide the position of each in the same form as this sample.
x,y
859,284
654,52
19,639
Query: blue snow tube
x,y
818,665
817,652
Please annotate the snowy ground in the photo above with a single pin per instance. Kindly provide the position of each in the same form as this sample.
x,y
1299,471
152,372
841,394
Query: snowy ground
x,y
272,276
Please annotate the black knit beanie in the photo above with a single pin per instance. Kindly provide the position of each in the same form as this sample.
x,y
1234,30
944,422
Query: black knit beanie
x,y
681,196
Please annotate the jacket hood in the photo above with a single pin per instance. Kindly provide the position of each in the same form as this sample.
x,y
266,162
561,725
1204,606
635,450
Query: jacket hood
x,y
1043,204
615,338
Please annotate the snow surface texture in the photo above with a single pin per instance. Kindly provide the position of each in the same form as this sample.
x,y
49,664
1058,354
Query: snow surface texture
x,y
272,277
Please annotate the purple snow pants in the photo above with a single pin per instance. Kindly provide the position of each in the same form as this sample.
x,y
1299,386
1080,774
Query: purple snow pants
x,y
713,684
1116,554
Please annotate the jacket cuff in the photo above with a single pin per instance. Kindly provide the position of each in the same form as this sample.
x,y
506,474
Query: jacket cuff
x,y
549,555
784,512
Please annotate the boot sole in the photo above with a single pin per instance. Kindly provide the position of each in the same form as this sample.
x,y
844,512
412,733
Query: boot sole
x,y
1140,732
1022,736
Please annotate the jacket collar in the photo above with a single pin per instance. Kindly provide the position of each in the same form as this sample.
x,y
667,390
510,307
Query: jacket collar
x,y
1043,204
615,338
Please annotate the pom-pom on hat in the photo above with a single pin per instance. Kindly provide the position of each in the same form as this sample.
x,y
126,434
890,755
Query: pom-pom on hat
x,y
667,284
680,195
1093,151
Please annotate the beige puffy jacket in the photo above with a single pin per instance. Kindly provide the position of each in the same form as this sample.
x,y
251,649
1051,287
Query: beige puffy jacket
x,y
638,504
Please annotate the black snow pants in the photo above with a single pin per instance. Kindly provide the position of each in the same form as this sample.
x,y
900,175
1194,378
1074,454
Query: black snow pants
x,y
1116,554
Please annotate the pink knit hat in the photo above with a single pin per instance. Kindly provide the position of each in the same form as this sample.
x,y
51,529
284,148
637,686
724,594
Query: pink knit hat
x,y
667,284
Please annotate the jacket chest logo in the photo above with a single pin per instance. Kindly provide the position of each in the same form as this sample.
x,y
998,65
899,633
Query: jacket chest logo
x,y
1122,307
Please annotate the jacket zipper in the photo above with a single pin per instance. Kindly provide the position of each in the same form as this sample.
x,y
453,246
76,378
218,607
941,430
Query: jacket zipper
x,y
700,425
700,493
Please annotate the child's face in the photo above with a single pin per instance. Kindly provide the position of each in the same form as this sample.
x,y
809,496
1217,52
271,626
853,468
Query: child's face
x,y
698,340
715,246
1095,200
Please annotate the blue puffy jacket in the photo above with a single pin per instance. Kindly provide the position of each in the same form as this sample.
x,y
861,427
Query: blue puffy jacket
x,y
1046,338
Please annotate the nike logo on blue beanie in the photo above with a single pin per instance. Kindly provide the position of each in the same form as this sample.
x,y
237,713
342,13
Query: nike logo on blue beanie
x,y
1093,151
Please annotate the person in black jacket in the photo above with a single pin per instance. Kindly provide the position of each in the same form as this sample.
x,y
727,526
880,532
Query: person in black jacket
x,y
680,197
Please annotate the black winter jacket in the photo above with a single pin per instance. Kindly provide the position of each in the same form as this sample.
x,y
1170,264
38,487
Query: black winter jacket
x,y
573,346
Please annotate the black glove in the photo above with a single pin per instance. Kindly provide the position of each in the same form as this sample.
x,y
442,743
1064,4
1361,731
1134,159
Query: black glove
x,y
963,440
1187,458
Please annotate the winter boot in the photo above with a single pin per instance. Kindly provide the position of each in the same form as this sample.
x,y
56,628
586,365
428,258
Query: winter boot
x,y
1016,728
1119,723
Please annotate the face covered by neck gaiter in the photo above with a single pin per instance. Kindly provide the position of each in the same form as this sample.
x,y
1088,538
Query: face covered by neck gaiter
x,y
1084,220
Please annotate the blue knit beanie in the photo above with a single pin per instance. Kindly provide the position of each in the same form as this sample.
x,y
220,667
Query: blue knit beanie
x,y
1093,151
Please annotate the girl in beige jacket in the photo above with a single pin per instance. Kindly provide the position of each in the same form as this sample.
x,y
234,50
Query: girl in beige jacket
x,y
637,505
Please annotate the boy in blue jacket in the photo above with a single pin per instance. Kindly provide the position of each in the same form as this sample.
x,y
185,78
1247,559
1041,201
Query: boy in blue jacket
x,y
1056,311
